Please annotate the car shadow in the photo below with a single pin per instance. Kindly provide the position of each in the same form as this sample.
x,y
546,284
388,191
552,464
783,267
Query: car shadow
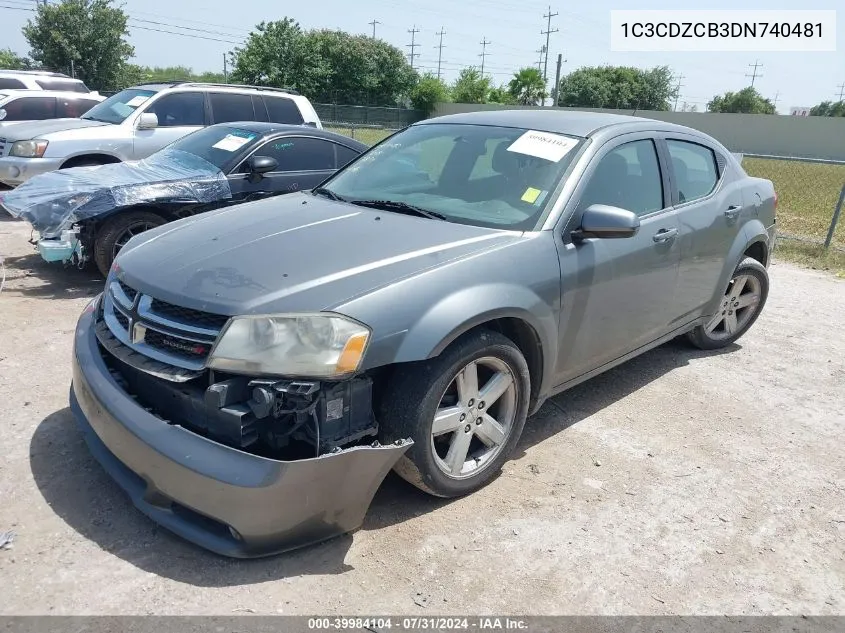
x,y
80,492
30,276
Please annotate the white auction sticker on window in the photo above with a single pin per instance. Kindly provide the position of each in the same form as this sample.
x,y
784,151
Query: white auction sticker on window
x,y
134,102
545,145
230,143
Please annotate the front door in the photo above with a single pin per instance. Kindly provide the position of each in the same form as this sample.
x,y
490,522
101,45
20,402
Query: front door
x,y
617,294
179,114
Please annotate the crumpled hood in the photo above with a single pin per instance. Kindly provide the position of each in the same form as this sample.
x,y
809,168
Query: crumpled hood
x,y
294,253
39,129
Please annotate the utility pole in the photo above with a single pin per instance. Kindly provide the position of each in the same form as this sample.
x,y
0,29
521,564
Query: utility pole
x,y
678,87
439,48
556,89
373,24
541,51
841,91
225,68
775,101
547,33
484,43
413,45
754,74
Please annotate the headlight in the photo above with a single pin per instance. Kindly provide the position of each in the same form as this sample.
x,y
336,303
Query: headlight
x,y
296,345
28,149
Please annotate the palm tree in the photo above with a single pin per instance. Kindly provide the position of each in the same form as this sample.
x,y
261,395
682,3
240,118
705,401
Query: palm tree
x,y
528,86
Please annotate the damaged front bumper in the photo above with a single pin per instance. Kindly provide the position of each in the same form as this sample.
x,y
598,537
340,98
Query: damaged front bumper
x,y
223,499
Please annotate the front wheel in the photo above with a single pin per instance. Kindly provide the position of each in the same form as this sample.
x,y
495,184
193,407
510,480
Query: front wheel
x,y
739,307
464,409
116,231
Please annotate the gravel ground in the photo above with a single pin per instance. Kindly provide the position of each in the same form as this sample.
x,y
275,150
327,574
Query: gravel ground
x,y
681,482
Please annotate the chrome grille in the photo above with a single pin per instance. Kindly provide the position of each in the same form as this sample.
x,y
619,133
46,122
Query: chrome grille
x,y
166,333
2,147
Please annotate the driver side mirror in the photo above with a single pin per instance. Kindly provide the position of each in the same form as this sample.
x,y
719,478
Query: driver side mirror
x,y
148,121
607,222
260,165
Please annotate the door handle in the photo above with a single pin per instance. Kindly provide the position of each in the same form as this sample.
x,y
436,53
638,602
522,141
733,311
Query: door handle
x,y
664,235
733,211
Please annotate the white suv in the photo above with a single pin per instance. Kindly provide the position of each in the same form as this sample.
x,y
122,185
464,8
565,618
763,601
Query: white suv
x,y
39,105
40,80
138,121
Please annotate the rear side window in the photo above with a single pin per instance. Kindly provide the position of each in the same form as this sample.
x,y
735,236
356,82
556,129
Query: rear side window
x,y
228,107
11,84
695,169
283,110
72,108
65,85
30,109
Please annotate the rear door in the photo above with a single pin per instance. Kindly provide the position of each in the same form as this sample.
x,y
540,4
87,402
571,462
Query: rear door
x,y
618,293
303,163
709,211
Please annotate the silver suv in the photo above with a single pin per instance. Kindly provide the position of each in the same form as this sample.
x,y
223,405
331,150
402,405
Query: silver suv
x,y
40,80
136,122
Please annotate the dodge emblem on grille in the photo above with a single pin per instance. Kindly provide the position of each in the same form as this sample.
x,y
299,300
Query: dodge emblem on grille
x,y
139,333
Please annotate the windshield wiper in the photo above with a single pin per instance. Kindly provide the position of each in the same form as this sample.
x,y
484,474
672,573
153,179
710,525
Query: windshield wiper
x,y
328,193
93,118
400,207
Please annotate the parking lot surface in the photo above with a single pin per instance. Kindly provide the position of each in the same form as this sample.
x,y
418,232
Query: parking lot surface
x,y
681,482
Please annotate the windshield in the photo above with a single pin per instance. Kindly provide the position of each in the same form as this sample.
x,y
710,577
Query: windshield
x,y
497,177
116,108
217,144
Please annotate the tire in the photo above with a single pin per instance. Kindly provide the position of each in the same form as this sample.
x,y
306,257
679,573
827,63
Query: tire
x,y
718,333
418,390
112,235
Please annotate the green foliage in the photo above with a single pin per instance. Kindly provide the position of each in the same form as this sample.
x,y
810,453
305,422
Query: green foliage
x,y
471,87
429,91
747,100
828,108
502,95
9,60
527,86
86,35
621,87
328,66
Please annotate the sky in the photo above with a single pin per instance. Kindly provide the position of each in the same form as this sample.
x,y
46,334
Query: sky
x,y
512,28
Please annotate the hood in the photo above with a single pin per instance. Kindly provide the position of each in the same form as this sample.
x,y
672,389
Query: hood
x,y
292,253
39,129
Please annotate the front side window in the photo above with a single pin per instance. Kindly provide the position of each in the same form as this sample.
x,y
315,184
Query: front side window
x,y
29,109
179,109
627,177
295,153
695,169
483,175
118,107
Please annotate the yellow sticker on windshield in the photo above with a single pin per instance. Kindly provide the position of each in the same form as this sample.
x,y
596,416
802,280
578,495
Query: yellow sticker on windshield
x,y
531,194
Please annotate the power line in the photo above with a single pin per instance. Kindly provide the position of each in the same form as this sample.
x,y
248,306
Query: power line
x,y
373,24
198,37
754,74
547,33
483,55
439,48
413,45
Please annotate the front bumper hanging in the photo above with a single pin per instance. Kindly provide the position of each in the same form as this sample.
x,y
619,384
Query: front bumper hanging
x,y
223,499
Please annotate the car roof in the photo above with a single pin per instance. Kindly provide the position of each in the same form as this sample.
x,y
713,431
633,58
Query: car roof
x,y
571,122
67,94
265,129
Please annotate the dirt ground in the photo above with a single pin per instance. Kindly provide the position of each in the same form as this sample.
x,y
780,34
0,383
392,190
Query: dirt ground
x,y
681,482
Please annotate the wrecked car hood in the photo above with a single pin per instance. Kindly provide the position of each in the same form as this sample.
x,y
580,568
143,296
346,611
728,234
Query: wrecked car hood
x,y
38,129
297,252
56,200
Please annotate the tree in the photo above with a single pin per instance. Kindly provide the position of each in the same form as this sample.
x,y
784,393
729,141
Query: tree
x,y
528,86
502,95
429,91
829,108
9,60
85,36
621,87
747,100
274,55
471,87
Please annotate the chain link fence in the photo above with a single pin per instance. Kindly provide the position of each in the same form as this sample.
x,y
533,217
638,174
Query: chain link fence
x,y
810,197
368,124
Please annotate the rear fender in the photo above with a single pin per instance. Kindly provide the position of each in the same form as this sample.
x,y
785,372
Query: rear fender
x,y
752,232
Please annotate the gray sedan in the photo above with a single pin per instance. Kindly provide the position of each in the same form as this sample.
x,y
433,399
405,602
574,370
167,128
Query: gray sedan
x,y
250,378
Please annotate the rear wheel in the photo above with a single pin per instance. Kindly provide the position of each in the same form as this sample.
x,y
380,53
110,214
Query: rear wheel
x,y
465,411
117,231
739,307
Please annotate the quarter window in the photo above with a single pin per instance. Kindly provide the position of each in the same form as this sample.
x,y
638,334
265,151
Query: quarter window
x,y
695,169
11,84
180,109
283,110
627,177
